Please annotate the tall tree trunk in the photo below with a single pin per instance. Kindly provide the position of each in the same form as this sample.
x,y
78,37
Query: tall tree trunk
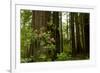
x,y
60,30
39,22
78,42
86,33
72,34
82,32
67,16
57,34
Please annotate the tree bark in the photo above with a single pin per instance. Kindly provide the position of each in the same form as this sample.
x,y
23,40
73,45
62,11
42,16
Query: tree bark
x,y
57,34
72,34
39,20
60,30
86,33
78,42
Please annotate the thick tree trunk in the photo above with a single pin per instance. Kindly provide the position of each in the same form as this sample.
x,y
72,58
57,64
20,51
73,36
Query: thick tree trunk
x,y
78,42
57,34
82,36
86,33
39,22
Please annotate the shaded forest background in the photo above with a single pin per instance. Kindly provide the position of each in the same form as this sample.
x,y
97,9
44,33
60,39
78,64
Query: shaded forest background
x,y
54,36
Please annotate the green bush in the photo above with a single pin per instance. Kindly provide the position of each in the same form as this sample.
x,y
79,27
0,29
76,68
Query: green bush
x,y
63,56
25,60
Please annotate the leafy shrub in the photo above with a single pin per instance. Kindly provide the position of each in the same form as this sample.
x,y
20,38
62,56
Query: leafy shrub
x,y
63,56
25,60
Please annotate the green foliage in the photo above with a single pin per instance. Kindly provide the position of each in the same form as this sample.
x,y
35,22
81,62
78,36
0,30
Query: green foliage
x,y
63,56
42,57
26,16
26,30
24,60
